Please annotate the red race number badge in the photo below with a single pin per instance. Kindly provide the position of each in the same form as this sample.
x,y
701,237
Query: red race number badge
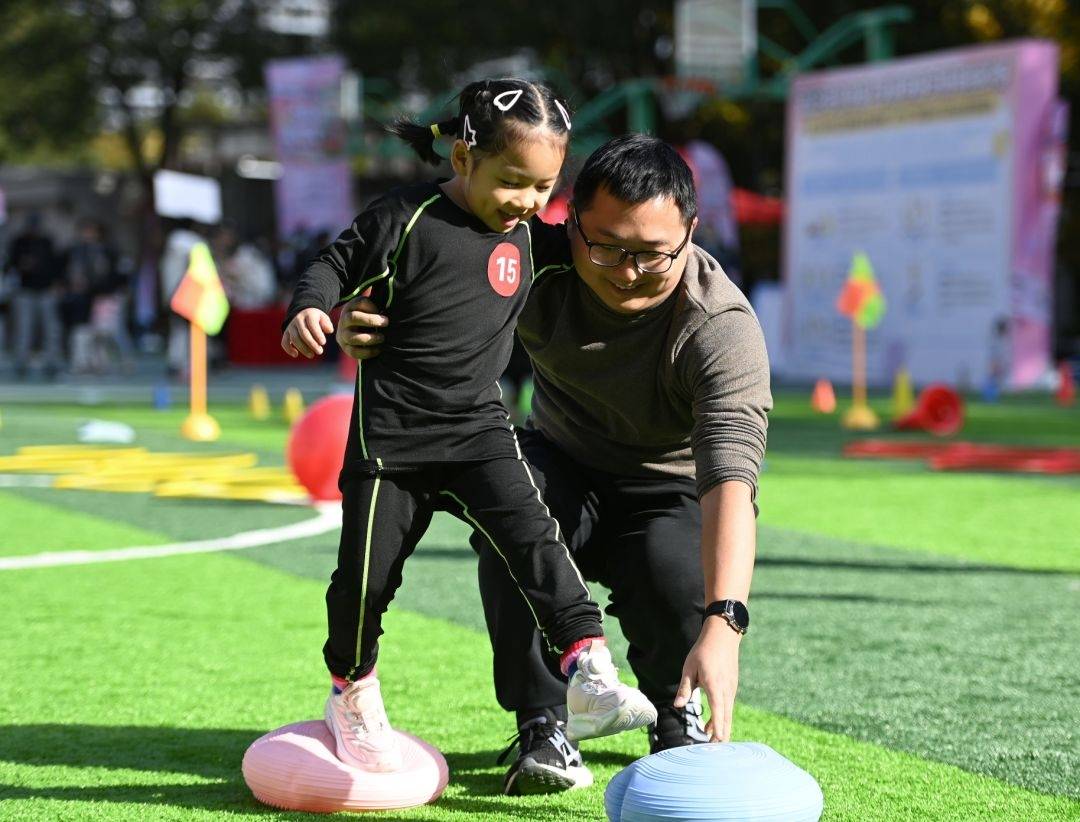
x,y
504,269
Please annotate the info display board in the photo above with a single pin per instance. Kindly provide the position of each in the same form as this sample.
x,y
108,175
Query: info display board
x,y
942,170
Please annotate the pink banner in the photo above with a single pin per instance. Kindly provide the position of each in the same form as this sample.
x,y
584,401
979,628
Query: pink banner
x,y
1041,126
315,190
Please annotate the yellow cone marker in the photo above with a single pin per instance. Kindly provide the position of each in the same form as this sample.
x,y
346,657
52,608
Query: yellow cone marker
x,y
259,403
294,405
903,397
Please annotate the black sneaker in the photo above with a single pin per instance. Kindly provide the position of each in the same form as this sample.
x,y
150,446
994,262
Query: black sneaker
x,y
678,727
547,761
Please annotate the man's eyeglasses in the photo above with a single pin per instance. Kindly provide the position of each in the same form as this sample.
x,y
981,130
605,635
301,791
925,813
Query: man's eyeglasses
x,y
647,262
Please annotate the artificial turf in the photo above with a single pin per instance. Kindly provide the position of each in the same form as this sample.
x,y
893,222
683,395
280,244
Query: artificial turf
x,y
134,689
32,527
1025,522
913,645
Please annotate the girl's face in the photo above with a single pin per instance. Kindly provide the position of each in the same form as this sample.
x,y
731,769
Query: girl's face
x,y
504,189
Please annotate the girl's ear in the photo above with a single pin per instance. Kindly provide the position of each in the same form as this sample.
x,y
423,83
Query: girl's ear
x,y
461,159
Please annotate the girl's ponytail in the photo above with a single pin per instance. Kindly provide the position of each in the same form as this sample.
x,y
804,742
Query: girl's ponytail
x,y
422,138
491,115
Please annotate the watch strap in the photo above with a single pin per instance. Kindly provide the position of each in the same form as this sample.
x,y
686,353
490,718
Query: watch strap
x,y
732,611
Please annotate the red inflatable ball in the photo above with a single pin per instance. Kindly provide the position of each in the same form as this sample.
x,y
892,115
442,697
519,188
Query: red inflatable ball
x,y
317,445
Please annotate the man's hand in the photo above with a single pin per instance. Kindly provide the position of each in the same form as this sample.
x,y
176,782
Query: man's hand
x,y
306,333
357,331
713,666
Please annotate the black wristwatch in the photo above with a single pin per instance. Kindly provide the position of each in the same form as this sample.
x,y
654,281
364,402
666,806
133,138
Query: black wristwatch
x,y
732,611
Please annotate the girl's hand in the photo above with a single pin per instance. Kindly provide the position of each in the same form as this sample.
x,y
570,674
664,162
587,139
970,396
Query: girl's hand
x,y
358,328
306,334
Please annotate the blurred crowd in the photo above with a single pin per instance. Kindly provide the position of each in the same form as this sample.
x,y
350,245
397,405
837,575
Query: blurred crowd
x,y
72,307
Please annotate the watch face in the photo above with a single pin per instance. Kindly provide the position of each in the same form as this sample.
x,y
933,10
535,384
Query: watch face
x,y
741,615
732,611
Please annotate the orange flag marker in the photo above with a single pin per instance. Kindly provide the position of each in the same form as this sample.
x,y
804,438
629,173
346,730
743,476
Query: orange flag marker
x,y
862,302
200,299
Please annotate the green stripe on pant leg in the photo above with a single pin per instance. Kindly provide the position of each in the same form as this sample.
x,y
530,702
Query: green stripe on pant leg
x,y
547,512
364,578
476,524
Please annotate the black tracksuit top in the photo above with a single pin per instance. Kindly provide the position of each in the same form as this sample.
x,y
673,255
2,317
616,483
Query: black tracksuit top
x,y
453,289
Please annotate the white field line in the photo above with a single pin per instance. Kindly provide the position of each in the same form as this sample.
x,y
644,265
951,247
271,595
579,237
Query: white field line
x,y
328,519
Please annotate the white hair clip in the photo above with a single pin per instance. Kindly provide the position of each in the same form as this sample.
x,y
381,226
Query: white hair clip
x,y
513,94
468,133
564,113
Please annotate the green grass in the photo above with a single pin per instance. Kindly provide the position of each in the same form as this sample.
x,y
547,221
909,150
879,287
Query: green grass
x,y
1026,522
1019,520
38,527
873,633
135,690
912,643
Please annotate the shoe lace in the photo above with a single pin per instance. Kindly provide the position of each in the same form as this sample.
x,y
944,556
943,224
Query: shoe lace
x,y
600,678
599,685
539,727
694,721
366,721
690,719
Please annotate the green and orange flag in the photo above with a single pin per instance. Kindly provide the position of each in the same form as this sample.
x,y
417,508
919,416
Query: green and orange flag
x,y
861,299
200,298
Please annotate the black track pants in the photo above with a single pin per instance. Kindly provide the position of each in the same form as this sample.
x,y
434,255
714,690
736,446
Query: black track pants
x,y
641,538
384,516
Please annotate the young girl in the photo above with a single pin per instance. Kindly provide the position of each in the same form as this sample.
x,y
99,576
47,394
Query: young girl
x,y
450,264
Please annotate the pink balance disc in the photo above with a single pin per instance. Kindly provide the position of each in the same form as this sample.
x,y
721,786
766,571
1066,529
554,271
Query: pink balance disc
x,y
296,768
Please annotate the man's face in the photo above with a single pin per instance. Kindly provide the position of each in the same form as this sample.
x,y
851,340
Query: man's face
x,y
654,225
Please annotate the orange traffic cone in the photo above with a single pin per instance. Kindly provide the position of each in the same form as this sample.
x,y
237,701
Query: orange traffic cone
x,y
823,400
1066,393
940,410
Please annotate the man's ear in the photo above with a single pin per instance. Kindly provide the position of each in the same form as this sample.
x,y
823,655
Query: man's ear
x,y
693,228
461,159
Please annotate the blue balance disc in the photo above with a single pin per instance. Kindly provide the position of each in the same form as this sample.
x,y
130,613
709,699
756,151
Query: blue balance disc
x,y
616,790
731,781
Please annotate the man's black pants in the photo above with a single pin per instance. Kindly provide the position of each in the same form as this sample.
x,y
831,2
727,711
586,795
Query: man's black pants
x,y
641,538
384,517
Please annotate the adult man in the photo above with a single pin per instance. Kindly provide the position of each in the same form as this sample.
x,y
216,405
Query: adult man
x,y
647,434
37,297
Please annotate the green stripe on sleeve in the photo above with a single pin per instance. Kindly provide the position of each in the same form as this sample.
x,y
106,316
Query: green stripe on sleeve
x,y
392,265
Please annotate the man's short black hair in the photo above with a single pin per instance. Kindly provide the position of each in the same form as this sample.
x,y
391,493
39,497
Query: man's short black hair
x,y
636,168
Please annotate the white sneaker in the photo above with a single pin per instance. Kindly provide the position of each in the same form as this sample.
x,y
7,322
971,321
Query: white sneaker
x,y
357,719
599,704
